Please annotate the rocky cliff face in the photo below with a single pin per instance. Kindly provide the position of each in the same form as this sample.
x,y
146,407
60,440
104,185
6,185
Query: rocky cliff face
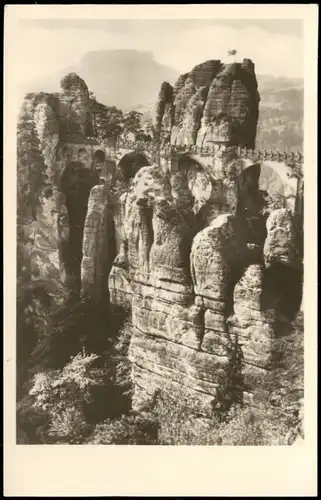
x,y
57,168
74,110
214,103
200,257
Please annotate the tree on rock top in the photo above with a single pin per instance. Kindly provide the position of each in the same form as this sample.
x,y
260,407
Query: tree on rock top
x,y
71,81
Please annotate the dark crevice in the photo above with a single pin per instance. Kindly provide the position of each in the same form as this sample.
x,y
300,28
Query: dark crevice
x,y
250,206
149,228
146,226
282,290
237,272
108,254
76,184
202,333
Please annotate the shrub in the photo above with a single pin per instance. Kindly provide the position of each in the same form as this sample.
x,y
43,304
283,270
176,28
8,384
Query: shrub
x,y
274,420
178,416
62,395
243,426
34,304
133,429
32,422
246,426
281,397
61,360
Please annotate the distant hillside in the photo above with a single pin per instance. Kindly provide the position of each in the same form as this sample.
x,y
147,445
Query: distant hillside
x,y
124,78
281,113
130,79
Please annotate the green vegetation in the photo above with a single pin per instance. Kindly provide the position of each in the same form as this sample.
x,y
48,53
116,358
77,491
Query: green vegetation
x,y
280,127
110,123
70,358
77,389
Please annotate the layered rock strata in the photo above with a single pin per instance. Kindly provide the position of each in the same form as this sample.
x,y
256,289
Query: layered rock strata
x,y
196,245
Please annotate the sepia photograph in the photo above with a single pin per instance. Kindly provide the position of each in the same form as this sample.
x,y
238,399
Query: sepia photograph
x,y
160,167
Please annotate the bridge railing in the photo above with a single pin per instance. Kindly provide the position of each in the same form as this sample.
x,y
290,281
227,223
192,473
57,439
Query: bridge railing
x,y
149,146
255,154
291,158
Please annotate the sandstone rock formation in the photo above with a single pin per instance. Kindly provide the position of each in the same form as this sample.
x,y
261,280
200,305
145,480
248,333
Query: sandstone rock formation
x,y
281,244
188,246
198,294
74,110
213,103
98,243
56,171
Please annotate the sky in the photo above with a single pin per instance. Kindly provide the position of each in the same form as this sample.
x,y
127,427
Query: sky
x,y
49,45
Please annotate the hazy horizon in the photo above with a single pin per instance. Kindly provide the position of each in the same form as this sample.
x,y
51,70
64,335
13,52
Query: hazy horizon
x,y
50,45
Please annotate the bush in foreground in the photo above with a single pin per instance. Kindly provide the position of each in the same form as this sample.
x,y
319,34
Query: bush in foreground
x,y
57,400
132,429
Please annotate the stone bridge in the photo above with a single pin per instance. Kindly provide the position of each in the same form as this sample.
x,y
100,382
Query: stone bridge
x,y
129,156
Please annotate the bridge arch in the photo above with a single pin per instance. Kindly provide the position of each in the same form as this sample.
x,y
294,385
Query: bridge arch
x,y
99,155
131,162
197,159
275,178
